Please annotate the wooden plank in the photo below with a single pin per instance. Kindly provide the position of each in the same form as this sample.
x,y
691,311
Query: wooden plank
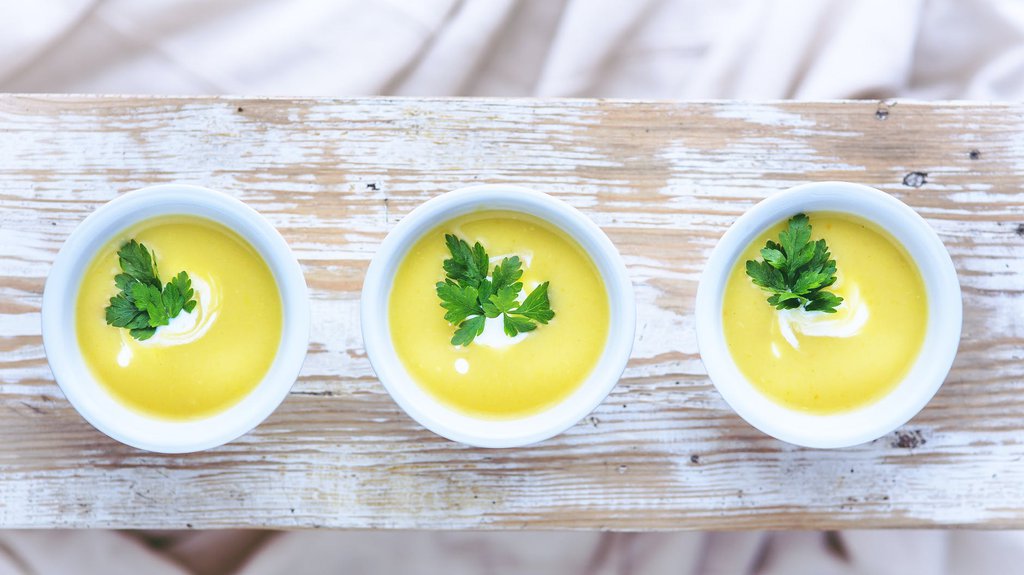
x,y
663,179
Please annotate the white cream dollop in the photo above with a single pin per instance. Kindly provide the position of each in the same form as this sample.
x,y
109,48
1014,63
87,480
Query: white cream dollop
x,y
494,333
849,319
184,328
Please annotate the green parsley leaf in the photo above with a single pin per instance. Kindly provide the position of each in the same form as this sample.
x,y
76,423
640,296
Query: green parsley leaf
x,y
124,282
773,257
515,324
142,305
793,239
796,270
142,333
469,296
507,274
536,306
138,263
502,302
467,266
122,311
468,330
149,299
178,294
461,302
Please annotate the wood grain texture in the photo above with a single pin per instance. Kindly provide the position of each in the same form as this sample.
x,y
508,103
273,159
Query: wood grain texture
x,y
663,179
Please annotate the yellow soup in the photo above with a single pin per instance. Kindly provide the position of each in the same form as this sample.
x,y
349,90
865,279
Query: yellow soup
x,y
828,363
204,361
495,377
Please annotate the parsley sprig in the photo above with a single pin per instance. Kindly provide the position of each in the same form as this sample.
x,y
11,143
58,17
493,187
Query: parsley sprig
x,y
470,297
796,270
143,304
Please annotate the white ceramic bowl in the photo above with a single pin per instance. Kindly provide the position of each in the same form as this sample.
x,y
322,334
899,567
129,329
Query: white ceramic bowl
x,y
91,399
426,409
928,371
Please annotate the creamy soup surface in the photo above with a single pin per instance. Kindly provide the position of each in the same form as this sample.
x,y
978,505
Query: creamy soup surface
x,y
204,361
498,377
827,363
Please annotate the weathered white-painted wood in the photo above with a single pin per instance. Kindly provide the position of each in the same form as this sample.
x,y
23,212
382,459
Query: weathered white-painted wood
x,y
663,179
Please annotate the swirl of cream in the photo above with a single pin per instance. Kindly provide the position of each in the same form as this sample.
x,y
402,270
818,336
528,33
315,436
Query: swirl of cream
x,y
849,319
186,327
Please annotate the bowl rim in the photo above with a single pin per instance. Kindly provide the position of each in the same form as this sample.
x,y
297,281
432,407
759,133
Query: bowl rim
x,y
108,414
930,368
430,412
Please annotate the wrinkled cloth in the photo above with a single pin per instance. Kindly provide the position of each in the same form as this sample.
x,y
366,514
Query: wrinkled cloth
x,y
809,49
601,48
513,553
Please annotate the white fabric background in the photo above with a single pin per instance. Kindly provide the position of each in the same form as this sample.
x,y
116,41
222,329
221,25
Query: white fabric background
x,y
512,553
602,48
